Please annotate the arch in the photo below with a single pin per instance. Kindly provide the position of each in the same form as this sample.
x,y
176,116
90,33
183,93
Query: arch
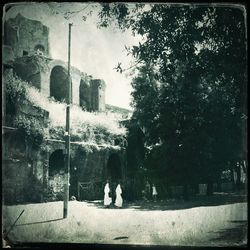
x,y
114,168
84,95
56,162
59,85
39,49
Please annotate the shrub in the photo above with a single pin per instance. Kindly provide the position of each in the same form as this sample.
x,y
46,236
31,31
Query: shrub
x,y
95,128
15,91
31,128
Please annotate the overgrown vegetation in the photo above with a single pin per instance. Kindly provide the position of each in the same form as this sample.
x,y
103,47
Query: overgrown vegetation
x,y
93,128
16,95
15,91
31,127
190,89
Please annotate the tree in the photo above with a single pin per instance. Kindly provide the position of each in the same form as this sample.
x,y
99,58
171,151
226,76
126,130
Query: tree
x,y
190,89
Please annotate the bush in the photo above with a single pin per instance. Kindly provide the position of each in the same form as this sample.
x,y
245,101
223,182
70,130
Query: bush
x,y
31,128
94,128
15,91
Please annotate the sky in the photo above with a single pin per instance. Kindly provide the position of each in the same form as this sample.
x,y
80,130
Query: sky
x,y
93,51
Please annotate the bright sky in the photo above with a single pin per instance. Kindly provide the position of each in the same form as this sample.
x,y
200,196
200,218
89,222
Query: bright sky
x,y
94,51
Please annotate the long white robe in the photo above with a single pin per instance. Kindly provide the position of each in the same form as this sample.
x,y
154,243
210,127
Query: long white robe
x,y
118,200
154,191
107,199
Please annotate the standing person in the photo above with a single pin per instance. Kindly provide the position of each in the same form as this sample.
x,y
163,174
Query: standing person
x,y
118,200
107,199
154,193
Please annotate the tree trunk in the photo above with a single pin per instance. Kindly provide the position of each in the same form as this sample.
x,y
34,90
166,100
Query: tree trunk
x,y
209,188
219,185
238,182
185,192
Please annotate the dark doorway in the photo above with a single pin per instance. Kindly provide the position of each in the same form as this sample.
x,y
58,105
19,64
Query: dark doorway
x,y
56,162
59,84
114,168
114,172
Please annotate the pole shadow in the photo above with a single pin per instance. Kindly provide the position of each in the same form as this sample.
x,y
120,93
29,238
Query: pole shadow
x,y
39,222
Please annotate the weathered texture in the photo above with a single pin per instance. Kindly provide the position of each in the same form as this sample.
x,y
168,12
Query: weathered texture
x,y
27,37
51,78
30,43
8,56
28,169
89,169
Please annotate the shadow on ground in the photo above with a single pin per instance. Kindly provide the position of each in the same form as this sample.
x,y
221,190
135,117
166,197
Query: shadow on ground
x,y
39,222
237,234
175,204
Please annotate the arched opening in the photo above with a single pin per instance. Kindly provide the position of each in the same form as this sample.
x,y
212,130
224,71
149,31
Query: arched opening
x,y
114,168
114,172
14,144
84,95
56,163
39,49
56,175
59,85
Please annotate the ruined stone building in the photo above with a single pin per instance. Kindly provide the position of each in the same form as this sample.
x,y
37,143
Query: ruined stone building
x,y
29,40
31,172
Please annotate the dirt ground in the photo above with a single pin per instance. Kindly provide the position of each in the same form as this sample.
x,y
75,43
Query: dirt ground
x,y
220,220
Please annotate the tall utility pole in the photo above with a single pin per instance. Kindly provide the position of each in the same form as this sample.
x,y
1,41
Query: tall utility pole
x,y
67,135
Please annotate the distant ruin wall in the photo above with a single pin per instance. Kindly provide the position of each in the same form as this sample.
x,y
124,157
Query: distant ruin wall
x,y
29,40
26,170
47,74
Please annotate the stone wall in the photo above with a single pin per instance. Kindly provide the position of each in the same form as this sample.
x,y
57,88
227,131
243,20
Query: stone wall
x,y
97,95
47,75
22,169
29,40
26,166
26,170
88,169
26,36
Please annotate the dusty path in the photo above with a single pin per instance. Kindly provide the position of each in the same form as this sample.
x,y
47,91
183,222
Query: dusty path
x,y
220,225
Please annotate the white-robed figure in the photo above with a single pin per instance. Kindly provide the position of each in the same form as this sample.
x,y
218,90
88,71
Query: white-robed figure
x,y
118,192
107,199
154,194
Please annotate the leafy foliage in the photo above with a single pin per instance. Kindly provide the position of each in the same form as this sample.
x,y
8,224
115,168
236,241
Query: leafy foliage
x,y
190,90
31,128
14,92
102,128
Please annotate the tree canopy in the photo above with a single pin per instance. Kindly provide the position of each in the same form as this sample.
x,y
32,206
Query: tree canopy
x,y
190,87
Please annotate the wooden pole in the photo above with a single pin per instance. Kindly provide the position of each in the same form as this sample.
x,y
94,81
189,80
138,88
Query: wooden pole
x,y
67,135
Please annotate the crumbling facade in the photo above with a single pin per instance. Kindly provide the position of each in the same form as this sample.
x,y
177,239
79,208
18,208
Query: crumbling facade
x,y
29,40
26,37
33,173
